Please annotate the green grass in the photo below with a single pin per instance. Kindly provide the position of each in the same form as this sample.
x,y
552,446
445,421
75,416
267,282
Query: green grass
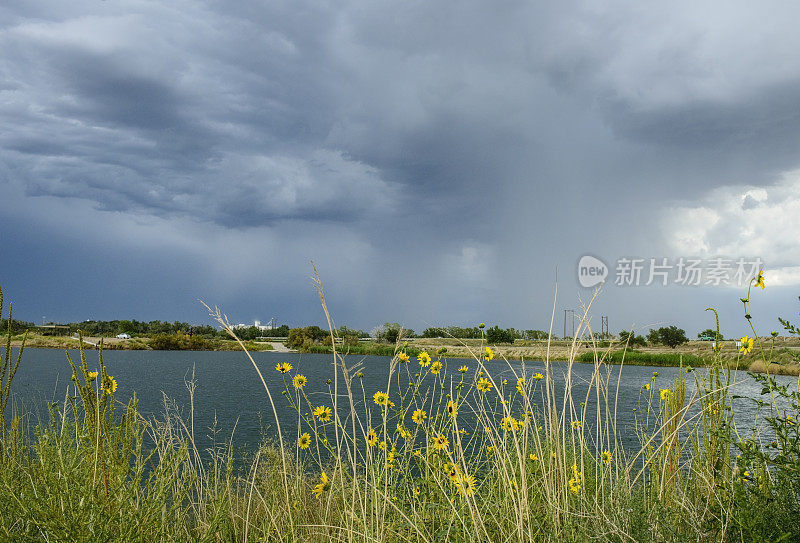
x,y
374,349
639,358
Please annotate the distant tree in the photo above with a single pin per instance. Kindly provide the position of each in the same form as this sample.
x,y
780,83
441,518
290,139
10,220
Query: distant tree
x,y
391,332
495,335
632,340
653,337
535,334
672,336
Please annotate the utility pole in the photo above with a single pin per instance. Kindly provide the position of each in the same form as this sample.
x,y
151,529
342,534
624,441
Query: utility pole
x,y
572,314
604,326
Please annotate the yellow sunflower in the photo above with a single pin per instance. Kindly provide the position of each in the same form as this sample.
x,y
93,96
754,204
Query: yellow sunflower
x,y
299,381
323,413
436,367
452,409
463,369
372,437
747,345
284,367
419,416
109,385
304,441
322,486
509,424
466,485
760,279
484,385
424,359
489,353
440,442
606,457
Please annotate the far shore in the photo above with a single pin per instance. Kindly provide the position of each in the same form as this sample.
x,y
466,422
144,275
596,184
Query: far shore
x,y
784,352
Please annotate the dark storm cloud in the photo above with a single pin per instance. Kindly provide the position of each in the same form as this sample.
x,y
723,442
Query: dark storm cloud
x,y
462,150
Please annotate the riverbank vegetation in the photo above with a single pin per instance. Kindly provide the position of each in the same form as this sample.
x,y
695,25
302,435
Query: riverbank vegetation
x,y
446,451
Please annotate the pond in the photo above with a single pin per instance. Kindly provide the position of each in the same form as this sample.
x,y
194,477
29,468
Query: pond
x,y
229,394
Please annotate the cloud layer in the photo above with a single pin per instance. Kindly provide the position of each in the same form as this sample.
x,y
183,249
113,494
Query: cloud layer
x,y
439,161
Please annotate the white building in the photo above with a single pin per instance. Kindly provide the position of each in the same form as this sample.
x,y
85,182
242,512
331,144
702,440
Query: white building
x,y
257,324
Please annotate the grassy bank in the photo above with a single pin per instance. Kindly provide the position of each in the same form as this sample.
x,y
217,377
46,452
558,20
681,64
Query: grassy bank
x,y
134,344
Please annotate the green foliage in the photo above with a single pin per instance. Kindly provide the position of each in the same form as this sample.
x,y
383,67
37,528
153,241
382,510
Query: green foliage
x,y
452,331
631,340
639,358
180,342
671,336
496,335
303,338
392,332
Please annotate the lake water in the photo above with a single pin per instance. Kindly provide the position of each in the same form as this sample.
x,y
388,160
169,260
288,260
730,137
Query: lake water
x,y
229,391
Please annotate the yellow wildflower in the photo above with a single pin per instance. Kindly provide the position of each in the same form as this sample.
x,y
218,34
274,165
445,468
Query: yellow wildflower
x,y
299,381
109,385
574,486
372,437
760,279
576,424
664,392
606,457
403,431
747,345
322,486
509,424
440,442
322,413
466,485
533,457
381,398
284,367
92,375
436,367
463,369
646,386
521,385
403,357
452,409
484,385
489,353
304,441
419,416
424,359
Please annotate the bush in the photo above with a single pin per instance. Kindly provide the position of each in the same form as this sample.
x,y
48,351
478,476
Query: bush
x,y
179,342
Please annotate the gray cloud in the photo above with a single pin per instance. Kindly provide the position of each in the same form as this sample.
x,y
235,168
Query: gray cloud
x,y
464,152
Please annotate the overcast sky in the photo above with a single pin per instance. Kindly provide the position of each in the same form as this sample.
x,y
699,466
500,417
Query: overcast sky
x,y
441,162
